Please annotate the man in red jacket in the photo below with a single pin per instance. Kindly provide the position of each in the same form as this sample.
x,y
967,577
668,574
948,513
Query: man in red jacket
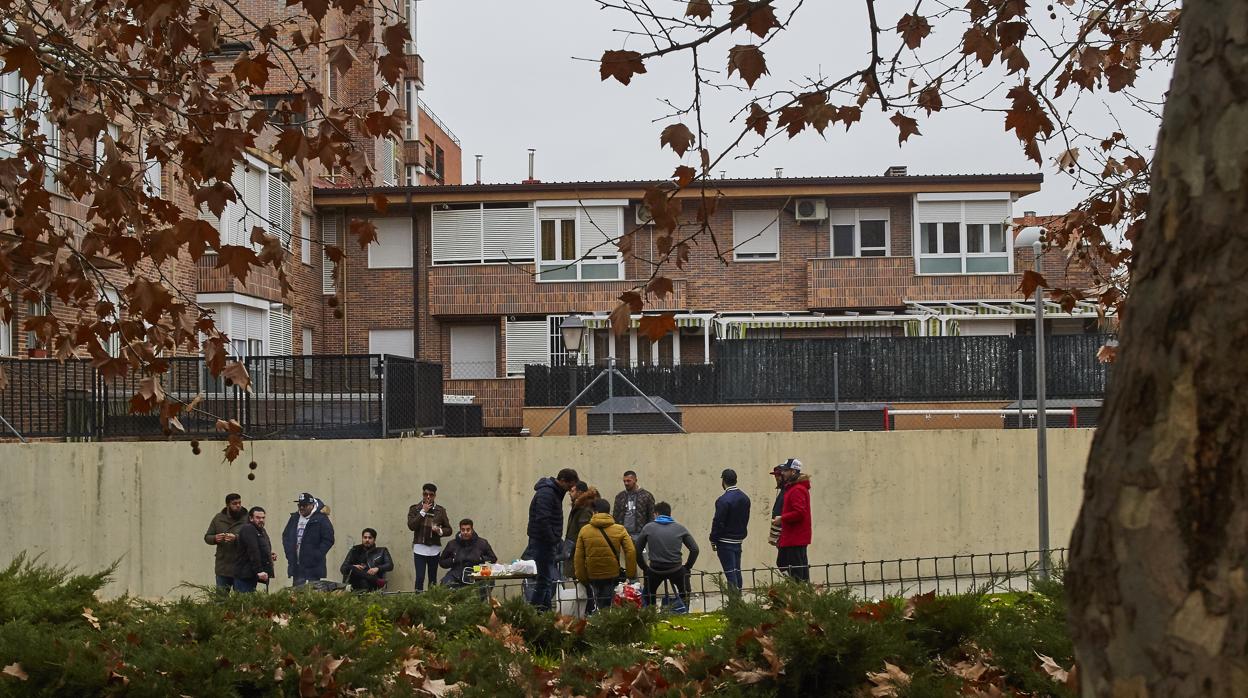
x,y
794,520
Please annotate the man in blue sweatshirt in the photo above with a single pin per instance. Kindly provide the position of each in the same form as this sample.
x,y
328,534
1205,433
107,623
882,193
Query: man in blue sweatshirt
x,y
662,540
728,528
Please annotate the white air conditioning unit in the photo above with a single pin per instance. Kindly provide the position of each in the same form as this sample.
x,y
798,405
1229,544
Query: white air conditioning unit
x,y
811,210
642,212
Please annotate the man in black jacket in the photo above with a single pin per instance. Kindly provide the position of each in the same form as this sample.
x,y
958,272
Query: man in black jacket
x,y
366,565
256,556
463,551
545,532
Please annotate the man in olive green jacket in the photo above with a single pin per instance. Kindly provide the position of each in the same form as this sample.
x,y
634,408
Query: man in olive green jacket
x,y
223,533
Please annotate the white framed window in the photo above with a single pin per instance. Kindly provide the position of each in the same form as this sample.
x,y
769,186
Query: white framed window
x,y
411,104
393,249
263,200
411,25
13,95
151,172
38,308
483,233
527,342
306,349
963,236
398,342
114,132
386,170
578,242
474,351
329,236
279,213
305,239
860,232
413,175
756,235
6,338
112,345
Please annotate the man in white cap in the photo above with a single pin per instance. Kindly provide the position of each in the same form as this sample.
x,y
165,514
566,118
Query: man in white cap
x,y
307,538
794,520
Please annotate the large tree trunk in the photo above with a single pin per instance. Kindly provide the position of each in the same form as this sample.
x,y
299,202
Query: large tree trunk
x,y
1158,580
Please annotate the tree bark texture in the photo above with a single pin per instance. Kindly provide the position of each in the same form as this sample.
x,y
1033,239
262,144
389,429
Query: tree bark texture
x,y
1158,582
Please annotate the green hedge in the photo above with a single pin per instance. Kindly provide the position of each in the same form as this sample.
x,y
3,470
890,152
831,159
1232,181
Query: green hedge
x,y
58,638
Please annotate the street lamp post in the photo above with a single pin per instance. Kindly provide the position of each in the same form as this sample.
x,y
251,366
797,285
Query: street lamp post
x,y
1042,452
573,331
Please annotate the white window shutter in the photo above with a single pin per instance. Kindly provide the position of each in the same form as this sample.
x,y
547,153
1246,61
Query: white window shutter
x,y
385,164
987,211
274,190
599,227
457,235
508,234
281,331
842,216
939,211
305,238
756,234
473,351
253,196
556,213
236,211
393,248
396,342
329,236
256,329
527,343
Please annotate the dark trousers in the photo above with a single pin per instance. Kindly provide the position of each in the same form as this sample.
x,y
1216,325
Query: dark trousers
x,y
792,561
677,577
426,566
544,585
245,586
225,583
730,559
600,593
363,581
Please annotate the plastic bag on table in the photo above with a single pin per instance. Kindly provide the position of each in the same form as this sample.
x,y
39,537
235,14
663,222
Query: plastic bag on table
x,y
522,567
627,595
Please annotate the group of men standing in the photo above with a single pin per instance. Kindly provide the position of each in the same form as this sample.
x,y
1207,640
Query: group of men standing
x,y
604,544
601,545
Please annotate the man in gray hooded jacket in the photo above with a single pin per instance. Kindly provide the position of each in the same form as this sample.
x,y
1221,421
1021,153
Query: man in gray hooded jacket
x,y
662,540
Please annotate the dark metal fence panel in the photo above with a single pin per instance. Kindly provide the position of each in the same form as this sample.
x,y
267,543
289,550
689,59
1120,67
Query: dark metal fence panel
x,y
186,379
880,369
48,399
413,395
430,411
321,397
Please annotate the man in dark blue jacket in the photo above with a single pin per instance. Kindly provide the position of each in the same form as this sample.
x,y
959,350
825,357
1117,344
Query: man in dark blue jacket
x,y
307,538
546,532
728,528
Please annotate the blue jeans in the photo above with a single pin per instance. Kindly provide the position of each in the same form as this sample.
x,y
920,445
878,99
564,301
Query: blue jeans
x,y
245,586
426,566
730,560
225,583
544,585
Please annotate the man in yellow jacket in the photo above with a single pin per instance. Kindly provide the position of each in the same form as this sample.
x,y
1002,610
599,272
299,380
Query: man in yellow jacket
x,y
597,557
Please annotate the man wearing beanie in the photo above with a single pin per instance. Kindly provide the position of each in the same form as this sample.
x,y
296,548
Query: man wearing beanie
x,y
728,528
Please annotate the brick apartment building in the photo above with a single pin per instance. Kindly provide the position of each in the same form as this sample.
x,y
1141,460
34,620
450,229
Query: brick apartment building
x,y
493,269
258,319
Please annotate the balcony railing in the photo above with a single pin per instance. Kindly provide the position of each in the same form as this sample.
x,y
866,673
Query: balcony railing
x,y
292,397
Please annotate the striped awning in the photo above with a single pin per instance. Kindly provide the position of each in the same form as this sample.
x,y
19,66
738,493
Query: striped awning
x,y
738,328
602,322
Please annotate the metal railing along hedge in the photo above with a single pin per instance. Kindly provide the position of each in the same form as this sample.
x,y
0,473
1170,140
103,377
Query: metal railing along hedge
x,y
867,579
317,396
877,369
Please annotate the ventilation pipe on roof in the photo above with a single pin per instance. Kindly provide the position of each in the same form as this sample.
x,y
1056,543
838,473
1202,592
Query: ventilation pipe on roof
x,y
532,178
779,171
895,171
478,169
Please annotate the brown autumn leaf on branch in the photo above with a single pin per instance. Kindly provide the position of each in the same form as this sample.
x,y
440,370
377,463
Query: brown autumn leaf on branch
x,y
906,126
913,29
656,327
747,60
621,65
678,137
756,15
700,9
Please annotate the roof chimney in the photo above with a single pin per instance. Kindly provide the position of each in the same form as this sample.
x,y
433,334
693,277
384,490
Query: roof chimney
x,y
1029,214
779,171
478,169
895,171
532,179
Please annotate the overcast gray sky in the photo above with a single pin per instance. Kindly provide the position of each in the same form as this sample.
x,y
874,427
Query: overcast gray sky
x,y
503,75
